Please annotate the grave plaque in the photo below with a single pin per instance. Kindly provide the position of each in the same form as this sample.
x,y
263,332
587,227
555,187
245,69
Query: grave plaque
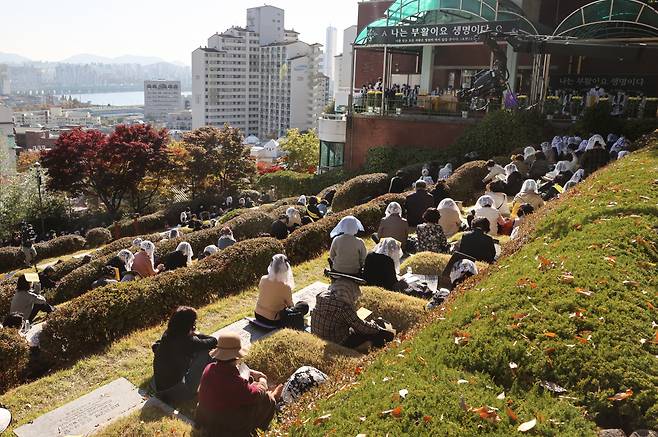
x,y
87,413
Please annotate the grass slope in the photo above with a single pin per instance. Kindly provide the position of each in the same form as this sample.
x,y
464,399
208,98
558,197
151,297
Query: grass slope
x,y
575,306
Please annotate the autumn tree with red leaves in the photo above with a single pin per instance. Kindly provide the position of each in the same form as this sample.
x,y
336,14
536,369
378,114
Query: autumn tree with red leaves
x,y
111,167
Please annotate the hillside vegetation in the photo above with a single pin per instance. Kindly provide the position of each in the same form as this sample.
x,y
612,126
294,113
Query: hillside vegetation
x,y
562,332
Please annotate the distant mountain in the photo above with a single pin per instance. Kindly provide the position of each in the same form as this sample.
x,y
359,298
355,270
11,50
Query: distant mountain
x,y
86,58
12,58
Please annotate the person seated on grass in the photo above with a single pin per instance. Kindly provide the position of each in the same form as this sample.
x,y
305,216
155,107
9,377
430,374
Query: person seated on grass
x,y
383,265
226,238
445,172
323,207
302,201
529,194
451,220
329,196
461,271
275,306
560,174
294,218
494,171
496,190
485,208
595,155
185,216
204,214
513,180
241,202
279,228
122,261
249,202
348,252
417,203
27,302
577,178
46,278
477,244
108,276
144,263
208,251
425,176
521,167
180,356
431,237
529,156
335,318
524,211
173,234
439,192
393,225
181,257
195,224
397,185
540,167
233,399
312,209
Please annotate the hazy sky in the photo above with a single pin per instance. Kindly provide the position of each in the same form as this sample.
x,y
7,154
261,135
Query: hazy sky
x,y
54,30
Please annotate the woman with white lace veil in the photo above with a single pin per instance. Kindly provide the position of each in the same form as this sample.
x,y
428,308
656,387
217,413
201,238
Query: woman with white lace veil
x,y
383,265
275,306
529,194
451,219
144,260
393,225
348,252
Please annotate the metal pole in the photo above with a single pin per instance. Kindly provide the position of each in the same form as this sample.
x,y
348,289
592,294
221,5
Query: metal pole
x,y
384,81
350,101
43,227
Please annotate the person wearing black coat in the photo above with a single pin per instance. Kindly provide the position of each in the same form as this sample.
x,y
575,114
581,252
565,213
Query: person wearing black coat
x,y
540,167
514,183
417,203
397,183
280,228
594,159
175,260
379,271
180,357
440,192
477,244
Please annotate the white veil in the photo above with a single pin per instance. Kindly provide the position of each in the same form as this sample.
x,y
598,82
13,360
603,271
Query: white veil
x,y
279,270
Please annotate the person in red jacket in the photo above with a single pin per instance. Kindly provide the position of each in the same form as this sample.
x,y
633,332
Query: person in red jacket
x,y
233,399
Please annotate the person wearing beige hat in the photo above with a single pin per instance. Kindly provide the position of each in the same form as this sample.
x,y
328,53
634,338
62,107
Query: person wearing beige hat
x,y
233,399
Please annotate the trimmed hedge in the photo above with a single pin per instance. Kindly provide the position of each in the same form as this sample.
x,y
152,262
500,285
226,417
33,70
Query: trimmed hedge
x,y
390,159
359,190
145,224
11,258
290,183
97,237
108,313
466,182
311,240
15,357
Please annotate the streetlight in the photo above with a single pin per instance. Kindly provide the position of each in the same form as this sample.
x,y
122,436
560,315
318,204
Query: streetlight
x,y
37,168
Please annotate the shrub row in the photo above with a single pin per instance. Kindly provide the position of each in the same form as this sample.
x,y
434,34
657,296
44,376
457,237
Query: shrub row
x,y
311,240
107,313
15,357
12,257
466,182
97,237
360,189
145,224
289,183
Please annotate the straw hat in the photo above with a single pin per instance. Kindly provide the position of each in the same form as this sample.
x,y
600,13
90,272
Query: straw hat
x,y
229,347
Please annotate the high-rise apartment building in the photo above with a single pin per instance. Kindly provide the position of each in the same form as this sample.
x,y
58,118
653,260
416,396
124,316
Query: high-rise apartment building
x,y
7,143
260,79
329,62
5,88
161,97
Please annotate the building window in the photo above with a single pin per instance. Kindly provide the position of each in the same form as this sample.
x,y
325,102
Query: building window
x,y
331,154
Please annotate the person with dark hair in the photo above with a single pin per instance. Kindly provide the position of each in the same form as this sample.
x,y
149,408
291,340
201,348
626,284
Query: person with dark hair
x,y
521,167
108,276
397,183
312,209
329,196
440,191
279,228
27,302
476,243
248,202
524,210
46,278
195,224
417,203
496,190
430,234
234,400
180,357
540,167
122,261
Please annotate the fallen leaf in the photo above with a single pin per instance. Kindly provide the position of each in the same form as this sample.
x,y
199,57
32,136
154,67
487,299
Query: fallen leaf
x,y
584,292
611,259
487,413
650,305
549,350
544,262
403,393
511,414
621,395
427,419
513,365
501,396
397,411
527,426
519,316
321,419
358,370
550,334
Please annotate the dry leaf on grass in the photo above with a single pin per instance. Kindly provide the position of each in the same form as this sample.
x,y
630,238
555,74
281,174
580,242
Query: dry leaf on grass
x,y
427,419
621,395
544,263
566,278
511,414
611,259
395,412
527,426
584,292
322,419
487,413
550,334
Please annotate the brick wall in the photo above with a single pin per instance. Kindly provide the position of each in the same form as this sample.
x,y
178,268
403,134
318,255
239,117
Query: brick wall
x,y
367,132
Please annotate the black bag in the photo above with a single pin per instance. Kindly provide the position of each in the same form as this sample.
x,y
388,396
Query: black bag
x,y
293,319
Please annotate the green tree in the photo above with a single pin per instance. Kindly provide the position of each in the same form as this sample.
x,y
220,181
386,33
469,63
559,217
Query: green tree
x,y
214,160
303,150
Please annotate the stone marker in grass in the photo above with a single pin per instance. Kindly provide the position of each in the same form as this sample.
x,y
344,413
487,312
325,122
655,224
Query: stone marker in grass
x,y
87,413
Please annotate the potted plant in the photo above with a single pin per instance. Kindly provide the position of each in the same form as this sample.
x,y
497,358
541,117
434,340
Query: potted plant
x,y
575,107
551,106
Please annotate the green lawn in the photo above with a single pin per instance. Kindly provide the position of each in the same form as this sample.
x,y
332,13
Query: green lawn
x,y
575,306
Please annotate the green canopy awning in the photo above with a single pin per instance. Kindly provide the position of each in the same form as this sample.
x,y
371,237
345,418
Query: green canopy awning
x,y
607,19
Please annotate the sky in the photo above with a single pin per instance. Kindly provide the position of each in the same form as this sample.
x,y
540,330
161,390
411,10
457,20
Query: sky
x,y
54,30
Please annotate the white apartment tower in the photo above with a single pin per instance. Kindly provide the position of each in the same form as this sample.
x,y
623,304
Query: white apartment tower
x,y
329,62
260,79
344,67
161,97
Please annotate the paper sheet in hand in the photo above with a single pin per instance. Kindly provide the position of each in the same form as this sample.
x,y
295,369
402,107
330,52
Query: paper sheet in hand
x,y
363,313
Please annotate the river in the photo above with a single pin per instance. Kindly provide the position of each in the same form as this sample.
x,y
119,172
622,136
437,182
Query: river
x,y
125,98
